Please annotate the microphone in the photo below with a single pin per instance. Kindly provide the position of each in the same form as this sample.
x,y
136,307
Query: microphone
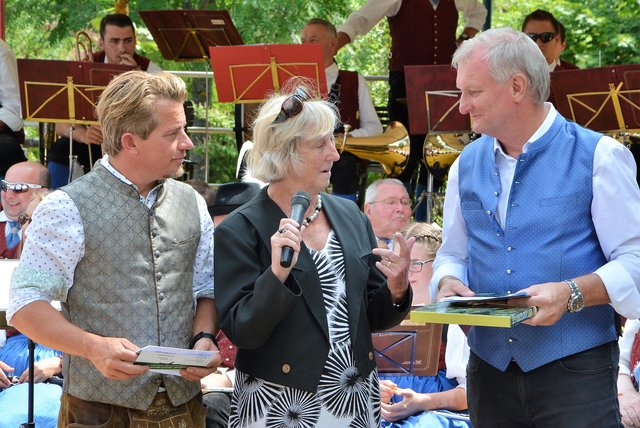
x,y
299,204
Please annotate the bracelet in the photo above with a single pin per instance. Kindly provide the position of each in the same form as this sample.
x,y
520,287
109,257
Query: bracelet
x,y
200,336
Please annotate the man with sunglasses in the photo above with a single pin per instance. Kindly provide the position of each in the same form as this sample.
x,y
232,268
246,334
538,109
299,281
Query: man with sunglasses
x,y
16,189
549,34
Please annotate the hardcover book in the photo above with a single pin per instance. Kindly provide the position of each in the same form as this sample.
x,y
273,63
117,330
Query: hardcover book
x,y
485,314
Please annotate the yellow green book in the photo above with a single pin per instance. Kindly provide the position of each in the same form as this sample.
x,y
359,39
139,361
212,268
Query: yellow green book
x,y
485,314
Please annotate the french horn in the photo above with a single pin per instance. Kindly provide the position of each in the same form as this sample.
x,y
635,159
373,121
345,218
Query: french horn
x,y
441,150
390,149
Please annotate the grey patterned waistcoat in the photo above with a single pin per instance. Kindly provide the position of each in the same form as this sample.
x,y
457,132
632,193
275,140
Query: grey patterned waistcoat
x,y
134,281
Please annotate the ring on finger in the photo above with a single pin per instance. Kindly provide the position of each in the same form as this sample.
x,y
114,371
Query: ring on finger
x,y
282,231
389,263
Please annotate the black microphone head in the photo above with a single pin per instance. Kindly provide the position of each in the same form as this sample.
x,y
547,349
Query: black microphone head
x,y
301,198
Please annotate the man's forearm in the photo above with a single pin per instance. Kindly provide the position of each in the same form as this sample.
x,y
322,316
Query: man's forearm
x,y
46,326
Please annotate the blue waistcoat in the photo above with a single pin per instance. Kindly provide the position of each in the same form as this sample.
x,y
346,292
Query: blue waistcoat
x,y
548,236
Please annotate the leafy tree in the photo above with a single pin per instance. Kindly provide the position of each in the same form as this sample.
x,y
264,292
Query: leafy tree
x,y
598,33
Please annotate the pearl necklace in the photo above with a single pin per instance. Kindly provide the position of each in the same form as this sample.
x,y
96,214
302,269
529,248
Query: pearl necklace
x,y
314,215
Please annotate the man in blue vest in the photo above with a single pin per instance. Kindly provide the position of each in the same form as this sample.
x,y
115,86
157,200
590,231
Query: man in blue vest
x,y
541,204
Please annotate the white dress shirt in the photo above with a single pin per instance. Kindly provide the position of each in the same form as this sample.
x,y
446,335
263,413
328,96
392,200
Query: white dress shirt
x,y
456,355
56,245
614,211
10,111
369,120
364,19
625,342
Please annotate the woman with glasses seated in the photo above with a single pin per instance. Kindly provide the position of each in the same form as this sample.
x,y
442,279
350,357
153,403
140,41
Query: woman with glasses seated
x,y
302,326
14,364
408,400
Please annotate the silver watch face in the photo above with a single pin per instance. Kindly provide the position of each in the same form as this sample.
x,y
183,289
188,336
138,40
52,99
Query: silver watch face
x,y
576,302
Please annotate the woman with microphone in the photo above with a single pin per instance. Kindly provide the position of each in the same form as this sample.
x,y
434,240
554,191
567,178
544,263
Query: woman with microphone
x,y
303,326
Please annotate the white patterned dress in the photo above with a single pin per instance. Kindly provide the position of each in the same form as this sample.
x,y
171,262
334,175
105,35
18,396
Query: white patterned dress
x,y
343,399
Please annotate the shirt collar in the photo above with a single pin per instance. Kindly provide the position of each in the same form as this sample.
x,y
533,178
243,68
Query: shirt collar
x,y
544,127
331,72
150,199
554,64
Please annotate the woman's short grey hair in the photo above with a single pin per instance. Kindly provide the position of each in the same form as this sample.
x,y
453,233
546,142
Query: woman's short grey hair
x,y
507,53
276,146
128,104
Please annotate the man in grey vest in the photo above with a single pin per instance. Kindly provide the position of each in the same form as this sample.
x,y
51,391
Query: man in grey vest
x,y
128,251
541,204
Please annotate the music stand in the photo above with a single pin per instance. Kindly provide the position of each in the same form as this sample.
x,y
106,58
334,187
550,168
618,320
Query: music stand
x,y
408,349
186,35
64,91
248,74
611,103
432,101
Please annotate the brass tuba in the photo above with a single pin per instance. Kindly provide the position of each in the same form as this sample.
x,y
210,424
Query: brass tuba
x,y
441,150
390,149
84,49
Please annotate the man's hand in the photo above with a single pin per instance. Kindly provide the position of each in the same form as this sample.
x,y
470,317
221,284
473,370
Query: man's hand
x,y
126,59
93,135
452,286
551,299
343,39
197,373
114,357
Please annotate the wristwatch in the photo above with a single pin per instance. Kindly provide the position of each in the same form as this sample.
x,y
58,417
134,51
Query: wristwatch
x,y
576,300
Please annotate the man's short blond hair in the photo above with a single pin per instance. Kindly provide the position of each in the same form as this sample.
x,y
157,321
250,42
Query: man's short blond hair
x,y
128,105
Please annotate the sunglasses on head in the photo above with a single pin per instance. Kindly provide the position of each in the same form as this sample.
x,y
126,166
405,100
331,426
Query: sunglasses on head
x,y
292,106
544,37
17,187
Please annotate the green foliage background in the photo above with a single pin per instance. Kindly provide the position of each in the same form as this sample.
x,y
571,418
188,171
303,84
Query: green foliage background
x,y
599,32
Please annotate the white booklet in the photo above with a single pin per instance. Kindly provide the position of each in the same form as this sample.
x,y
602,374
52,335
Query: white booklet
x,y
167,360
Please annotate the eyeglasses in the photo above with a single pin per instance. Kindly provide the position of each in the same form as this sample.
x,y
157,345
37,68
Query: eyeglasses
x,y
544,37
292,106
416,265
392,202
24,219
18,187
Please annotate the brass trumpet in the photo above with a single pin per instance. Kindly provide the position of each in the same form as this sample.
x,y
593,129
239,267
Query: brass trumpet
x,y
441,150
84,47
390,149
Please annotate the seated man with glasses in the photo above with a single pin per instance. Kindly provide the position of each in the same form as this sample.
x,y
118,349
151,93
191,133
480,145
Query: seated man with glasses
x,y
549,34
19,184
388,206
